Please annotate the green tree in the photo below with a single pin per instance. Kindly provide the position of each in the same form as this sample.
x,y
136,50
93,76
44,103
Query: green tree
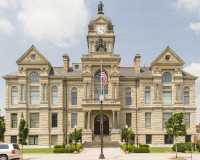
x,y
130,133
175,127
78,135
2,128
23,132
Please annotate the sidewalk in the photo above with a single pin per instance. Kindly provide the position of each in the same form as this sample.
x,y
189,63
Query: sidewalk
x,y
110,154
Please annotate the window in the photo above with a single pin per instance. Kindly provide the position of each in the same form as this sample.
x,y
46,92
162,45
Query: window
x,y
132,140
13,139
166,116
74,119
128,119
54,95
34,95
54,140
34,120
186,96
97,87
54,120
74,96
168,139
167,97
128,96
187,120
34,77
147,95
14,120
148,139
4,146
14,96
147,119
187,138
166,77
76,66
33,140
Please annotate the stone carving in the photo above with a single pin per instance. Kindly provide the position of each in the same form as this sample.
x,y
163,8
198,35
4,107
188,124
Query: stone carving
x,y
172,59
100,8
100,45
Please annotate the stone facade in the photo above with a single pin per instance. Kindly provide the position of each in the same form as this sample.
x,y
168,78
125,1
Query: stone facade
x,y
115,108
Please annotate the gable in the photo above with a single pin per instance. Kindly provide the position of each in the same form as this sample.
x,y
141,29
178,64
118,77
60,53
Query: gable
x,y
167,58
26,58
100,20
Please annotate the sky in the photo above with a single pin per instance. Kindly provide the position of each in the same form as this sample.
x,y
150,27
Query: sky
x,y
141,27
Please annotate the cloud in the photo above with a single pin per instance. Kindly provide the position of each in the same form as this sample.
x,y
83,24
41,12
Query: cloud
x,y
193,69
195,27
62,22
6,26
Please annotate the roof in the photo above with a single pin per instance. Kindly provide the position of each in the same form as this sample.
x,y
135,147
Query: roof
x,y
129,72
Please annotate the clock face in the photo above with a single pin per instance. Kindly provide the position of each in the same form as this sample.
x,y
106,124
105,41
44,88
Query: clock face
x,y
100,29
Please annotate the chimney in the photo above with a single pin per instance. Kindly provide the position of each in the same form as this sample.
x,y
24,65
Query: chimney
x,y
137,63
65,62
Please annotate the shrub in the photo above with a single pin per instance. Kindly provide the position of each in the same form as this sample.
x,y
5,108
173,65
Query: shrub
x,y
188,145
181,147
144,145
57,146
68,149
78,135
63,145
198,145
134,149
130,134
143,150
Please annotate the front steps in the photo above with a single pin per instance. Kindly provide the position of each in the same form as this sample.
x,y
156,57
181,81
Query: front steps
x,y
106,138
106,144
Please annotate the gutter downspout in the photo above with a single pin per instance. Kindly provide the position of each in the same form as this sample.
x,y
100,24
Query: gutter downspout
x,y
136,114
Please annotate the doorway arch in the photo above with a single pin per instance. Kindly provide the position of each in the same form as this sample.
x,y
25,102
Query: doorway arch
x,y
97,125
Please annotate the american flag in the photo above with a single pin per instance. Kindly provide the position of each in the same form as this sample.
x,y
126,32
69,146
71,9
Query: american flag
x,y
104,77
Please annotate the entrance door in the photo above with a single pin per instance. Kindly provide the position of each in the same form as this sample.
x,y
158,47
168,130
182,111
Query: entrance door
x,y
105,125
97,125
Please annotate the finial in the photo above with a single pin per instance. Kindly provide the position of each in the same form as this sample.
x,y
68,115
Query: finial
x,y
100,8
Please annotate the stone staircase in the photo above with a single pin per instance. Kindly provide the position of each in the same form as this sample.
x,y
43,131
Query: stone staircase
x,y
106,138
106,144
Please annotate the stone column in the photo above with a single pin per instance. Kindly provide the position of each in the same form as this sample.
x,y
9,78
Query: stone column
x,y
24,93
181,92
85,91
20,92
111,47
155,92
42,92
84,127
89,123
46,92
113,91
113,124
117,119
159,92
176,92
90,46
90,95
117,91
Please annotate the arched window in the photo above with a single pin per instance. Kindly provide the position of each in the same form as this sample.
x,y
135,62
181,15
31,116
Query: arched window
x,y
34,77
147,95
128,96
97,87
14,96
74,96
166,77
54,95
186,95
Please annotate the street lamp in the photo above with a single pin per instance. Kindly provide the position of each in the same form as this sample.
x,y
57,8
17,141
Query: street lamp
x,y
75,151
127,151
101,155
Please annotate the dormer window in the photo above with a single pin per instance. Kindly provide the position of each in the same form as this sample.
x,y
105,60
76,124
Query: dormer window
x,y
166,77
34,77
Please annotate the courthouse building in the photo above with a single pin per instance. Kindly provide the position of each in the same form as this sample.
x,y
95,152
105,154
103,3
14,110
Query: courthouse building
x,y
54,99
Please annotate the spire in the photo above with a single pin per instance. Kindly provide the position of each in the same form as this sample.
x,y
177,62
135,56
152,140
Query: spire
x,y
100,8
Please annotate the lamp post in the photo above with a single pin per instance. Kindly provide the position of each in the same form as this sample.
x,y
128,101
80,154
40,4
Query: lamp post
x,y
75,151
127,151
101,155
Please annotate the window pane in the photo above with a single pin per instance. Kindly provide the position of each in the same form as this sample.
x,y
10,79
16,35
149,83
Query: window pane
x,y
14,120
34,97
13,139
34,87
186,97
36,140
147,87
168,139
128,98
54,97
147,119
167,97
187,120
106,91
132,140
187,138
54,140
54,119
166,77
34,120
96,93
74,120
147,97
148,139
34,77
31,140
14,97
74,98
166,116
128,119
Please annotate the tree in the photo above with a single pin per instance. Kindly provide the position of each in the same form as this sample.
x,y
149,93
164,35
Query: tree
x,y
2,128
130,133
23,132
175,127
78,135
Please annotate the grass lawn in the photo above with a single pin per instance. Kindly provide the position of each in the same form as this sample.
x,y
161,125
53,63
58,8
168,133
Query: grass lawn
x,y
161,150
37,150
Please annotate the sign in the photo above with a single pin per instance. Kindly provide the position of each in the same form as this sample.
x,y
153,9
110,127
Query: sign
x,y
195,139
75,152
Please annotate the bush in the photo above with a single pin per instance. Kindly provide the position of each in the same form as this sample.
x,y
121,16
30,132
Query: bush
x,y
63,145
130,134
134,149
188,145
144,145
181,147
57,146
78,135
144,150
68,149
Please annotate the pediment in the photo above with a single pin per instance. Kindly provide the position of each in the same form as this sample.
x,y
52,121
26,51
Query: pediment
x,y
87,74
173,59
114,74
26,58
100,20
